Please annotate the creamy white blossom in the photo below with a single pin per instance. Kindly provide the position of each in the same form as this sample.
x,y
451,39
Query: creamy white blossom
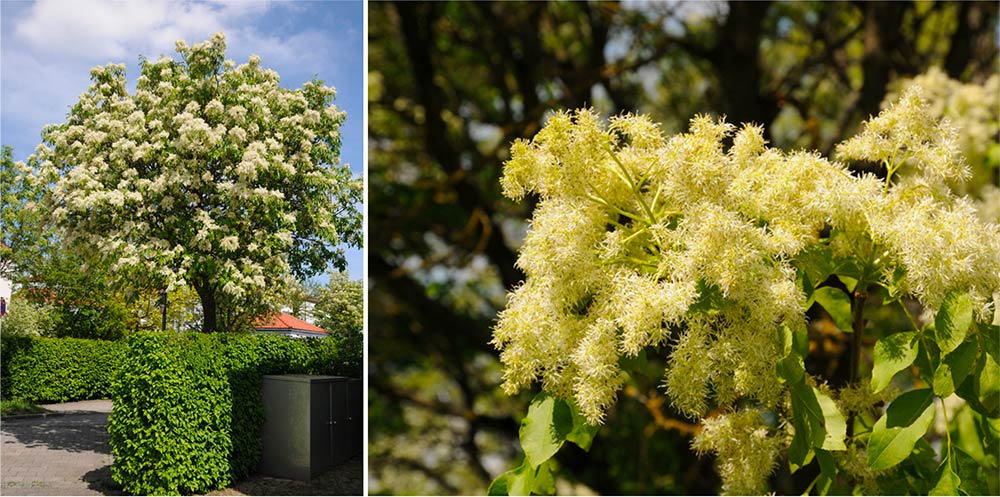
x,y
175,179
641,241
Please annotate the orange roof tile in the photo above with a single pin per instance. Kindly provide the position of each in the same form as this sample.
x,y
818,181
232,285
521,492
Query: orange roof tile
x,y
286,321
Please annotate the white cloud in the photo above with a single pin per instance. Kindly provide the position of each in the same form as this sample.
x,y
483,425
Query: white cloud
x,y
118,30
49,47
309,50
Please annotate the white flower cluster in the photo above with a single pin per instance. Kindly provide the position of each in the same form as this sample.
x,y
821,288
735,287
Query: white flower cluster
x,y
633,228
640,240
747,454
207,170
972,109
936,237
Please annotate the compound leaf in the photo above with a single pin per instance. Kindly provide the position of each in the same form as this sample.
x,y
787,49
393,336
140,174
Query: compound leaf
x,y
893,353
953,321
544,429
837,304
895,433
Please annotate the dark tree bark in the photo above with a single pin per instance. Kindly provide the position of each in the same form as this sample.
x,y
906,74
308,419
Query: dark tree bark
x,y
736,60
976,20
880,37
417,27
209,306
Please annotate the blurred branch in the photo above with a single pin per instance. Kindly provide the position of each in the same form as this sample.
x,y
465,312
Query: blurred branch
x,y
826,56
497,423
466,335
391,461
418,35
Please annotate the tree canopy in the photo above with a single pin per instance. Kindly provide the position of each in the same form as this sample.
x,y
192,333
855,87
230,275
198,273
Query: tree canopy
x,y
209,174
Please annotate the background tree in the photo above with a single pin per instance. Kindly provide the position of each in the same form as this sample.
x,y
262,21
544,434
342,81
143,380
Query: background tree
x,y
452,85
340,305
209,175
24,234
61,290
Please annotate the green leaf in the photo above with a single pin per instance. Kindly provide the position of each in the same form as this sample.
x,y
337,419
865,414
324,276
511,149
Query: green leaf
x,y
518,481
923,459
544,429
833,422
946,479
928,356
807,288
953,321
955,367
893,353
710,300
800,339
982,388
545,481
817,415
965,434
791,368
894,434
800,453
816,263
849,282
971,474
991,340
582,433
837,304
633,364
828,471
987,386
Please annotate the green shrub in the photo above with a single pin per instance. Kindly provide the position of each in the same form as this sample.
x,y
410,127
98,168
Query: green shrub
x,y
171,423
30,319
150,435
58,369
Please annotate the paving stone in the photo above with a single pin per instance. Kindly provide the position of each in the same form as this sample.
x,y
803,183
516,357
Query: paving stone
x,y
56,455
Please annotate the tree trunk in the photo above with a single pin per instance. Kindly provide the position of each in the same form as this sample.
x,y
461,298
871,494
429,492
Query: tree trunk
x,y
881,22
209,307
736,60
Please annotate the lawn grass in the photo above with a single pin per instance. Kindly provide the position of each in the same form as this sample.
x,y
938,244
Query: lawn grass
x,y
11,407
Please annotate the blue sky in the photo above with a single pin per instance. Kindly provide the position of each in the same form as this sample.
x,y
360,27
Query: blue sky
x,y
48,47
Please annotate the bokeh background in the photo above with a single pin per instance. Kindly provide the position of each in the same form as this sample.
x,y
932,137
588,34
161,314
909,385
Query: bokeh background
x,y
451,85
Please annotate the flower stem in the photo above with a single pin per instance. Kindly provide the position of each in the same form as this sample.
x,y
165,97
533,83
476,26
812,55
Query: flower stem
x,y
857,326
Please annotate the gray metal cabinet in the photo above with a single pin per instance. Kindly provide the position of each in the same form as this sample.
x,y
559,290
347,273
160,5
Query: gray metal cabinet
x,y
312,423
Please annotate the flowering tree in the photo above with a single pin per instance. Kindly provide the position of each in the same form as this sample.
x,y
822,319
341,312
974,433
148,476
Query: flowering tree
x,y
643,243
341,304
23,235
209,174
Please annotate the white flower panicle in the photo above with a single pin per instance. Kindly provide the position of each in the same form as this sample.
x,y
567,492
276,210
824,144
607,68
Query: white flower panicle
x,y
192,157
972,109
905,134
641,240
747,454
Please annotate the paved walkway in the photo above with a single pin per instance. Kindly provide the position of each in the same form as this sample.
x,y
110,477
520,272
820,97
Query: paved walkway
x,y
83,406
67,453
58,454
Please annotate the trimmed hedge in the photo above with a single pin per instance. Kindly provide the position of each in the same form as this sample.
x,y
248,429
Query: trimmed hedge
x,y
171,413
58,369
188,411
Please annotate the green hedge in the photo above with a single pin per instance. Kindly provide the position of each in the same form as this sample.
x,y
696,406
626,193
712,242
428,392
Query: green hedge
x,y
57,369
171,414
187,408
